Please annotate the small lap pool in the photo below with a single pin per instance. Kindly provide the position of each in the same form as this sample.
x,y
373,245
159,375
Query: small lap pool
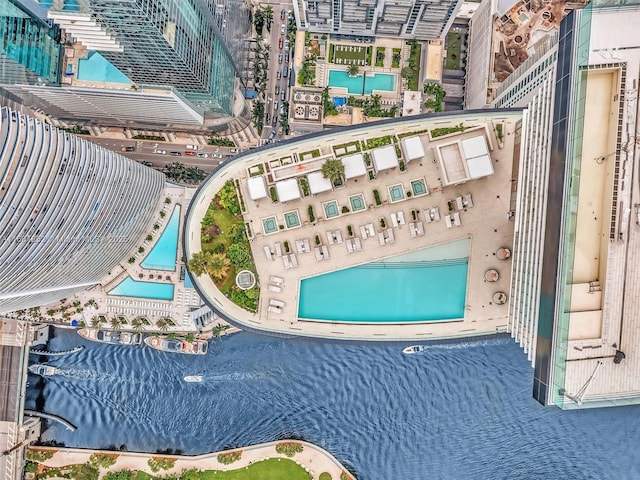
x,y
150,290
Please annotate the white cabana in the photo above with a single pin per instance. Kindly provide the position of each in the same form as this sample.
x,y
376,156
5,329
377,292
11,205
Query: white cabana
x,y
476,153
317,183
413,148
354,166
257,187
288,190
384,158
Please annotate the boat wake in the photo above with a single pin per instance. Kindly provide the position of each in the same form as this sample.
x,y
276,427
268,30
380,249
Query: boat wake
x,y
465,345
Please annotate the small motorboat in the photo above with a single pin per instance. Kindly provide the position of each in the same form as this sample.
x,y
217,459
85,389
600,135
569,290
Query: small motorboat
x,y
414,349
193,378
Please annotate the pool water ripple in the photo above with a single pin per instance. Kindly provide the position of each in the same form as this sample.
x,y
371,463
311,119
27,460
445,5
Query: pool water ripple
x,y
458,411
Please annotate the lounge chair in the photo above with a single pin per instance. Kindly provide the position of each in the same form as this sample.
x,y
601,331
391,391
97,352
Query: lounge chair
x,y
325,251
394,220
363,231
278,249
330,238
286,262
273,309
318,253
338,236
276,303
294,260
456,219
427,216
468,201
371,230
276,280
412,229
305,242
400,216
447,220
267,253
275,288
390,237
419,228
435,212
349,245
356,244
381,238
459,202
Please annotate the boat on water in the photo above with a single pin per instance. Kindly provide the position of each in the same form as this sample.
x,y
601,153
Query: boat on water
x,y
111,336
43,370
177,345
193,378
414,349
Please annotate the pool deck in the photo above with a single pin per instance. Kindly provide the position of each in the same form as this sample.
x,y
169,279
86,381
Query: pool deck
x,y
486,224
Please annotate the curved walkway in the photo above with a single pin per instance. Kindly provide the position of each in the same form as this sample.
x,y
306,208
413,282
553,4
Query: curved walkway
x,y
313,458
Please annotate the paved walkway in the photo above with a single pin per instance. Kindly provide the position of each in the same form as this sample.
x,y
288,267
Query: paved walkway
x,y
313,458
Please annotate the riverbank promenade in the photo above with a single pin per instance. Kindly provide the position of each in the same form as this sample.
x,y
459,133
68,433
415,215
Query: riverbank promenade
x,y
312,458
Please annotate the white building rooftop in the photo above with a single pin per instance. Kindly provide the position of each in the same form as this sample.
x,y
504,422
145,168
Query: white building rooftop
x,y
464,160
317,183
384,158
476,154
288,190
257,187
413,148
354,166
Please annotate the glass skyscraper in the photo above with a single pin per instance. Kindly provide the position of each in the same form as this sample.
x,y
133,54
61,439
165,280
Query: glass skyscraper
x,y
168,43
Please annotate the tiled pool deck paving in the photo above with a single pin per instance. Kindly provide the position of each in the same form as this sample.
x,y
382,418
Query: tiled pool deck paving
x,y
487,225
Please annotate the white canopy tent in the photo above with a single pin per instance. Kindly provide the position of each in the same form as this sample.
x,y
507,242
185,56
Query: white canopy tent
x,y
476,153
354,166
288,190
257,187
317,183
413,148
384,158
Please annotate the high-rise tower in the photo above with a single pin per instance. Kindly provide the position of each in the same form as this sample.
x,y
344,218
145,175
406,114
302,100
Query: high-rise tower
x,y
70,211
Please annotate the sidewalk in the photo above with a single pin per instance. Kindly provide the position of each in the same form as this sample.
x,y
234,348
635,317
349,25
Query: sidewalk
x,y
313,458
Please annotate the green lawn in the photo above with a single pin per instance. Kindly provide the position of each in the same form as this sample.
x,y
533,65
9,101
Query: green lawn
x,y
350,57
271,469
224,220
453,44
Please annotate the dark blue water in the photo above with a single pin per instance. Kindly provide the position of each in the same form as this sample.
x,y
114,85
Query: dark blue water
x,y
458,411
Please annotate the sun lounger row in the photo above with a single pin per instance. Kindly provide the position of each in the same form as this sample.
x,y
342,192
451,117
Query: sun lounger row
x,y
334,236
275,284
416,228
353,244
386,236
367,230
432,214
322,253
276,303
397,218
290,261
452,220
303,245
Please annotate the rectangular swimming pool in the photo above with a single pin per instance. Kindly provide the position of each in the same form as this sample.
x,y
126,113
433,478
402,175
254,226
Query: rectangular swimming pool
x,y
150,290
361,84
387,292
96,68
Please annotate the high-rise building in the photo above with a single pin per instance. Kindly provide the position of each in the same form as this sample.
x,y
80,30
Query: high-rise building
x,y
70,211
165,43
573,298
419,19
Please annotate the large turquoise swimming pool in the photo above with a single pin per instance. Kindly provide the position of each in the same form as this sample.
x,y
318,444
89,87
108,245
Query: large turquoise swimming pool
x,y
392,290
164,253
361,85
151,290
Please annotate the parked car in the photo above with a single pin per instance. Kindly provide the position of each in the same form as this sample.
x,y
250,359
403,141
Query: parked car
x,y
286,57
272,134
275,121
277,89
203,155
128,149
279,75
160,152
285,72
280,58
190,153
176,154
280,42
283,14
286,44
216,155
283,95
233,150
193,147
283,29
267,118
275,107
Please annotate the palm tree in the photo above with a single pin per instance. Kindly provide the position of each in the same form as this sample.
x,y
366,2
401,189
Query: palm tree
x,y
95,321
198,263
115,323
137,324
333,170
353,70
218,266
267,16
162,324
258,20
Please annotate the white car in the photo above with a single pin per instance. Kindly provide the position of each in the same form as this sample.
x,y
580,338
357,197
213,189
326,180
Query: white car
x,y
203,155
160,152
216,155
193,147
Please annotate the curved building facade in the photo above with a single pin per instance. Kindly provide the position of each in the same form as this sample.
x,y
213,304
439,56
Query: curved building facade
x,y
69,211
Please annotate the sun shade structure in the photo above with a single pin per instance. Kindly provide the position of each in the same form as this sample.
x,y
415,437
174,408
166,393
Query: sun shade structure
x,y
384,158
354,166
317,183
413,148
288,190
476,153
464,160
257,187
